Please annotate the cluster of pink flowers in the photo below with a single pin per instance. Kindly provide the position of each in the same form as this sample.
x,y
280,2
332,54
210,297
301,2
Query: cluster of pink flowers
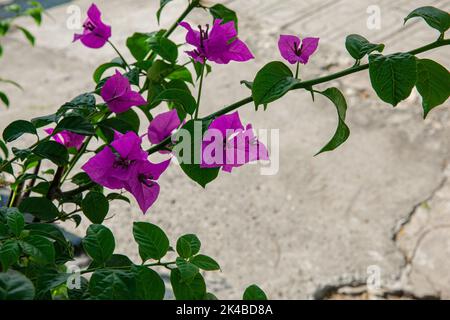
x,y
124,164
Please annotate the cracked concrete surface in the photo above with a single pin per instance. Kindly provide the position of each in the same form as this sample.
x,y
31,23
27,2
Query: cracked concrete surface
x,y
314,229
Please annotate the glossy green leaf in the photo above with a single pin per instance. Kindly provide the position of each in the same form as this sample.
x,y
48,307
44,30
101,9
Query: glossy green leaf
x,y
342,132
4,98
98,73
95,207
393,77
165,48
188,270
112,285
52,151
138,45
188,245
99,243
162,4
149,285
192,290
254,293
75,124
15,286
272,82
15,222
190,163
358,46
42,208
9,253
181,98
39,248
16,129
219,11
151,239
433,84
181,73
27,35
434,17
205,263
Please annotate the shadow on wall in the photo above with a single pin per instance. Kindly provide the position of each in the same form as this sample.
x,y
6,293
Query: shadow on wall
x,y
24,3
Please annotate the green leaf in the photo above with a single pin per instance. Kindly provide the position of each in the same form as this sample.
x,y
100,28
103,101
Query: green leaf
x,y
434,17
16,129
162,4
75,124
112,285
188,271
99,243
149,285
152,241
15,221
181,98
358,46
27,35
95,207
42,208
40,122
192,290
199,66
254,293
181,73
116,261
4,98
158,71
219,11
131,118
39,249
50,231
272,82
393,77
52,151
138,45
4,149
117,196
433,84
205,263
15,286
9,253
342,132
188,245
98,73
48,280
192,147
165,48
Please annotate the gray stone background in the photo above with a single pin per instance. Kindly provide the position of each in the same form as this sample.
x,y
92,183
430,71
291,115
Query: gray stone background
x,y
380,201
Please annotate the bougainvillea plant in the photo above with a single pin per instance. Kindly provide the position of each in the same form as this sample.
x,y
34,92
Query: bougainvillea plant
x,y
103,127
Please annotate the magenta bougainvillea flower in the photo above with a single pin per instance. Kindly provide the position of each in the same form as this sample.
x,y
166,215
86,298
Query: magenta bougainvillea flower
x,y
294,50
67,138
111,166
95,33
162,126
124,165
228,144
142,183
118,94
219,45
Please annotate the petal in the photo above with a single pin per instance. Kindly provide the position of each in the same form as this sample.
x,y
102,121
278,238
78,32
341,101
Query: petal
x,y
91,40
192,36
287,44
309,46
238,51
227,30
115,87
162,126
155,169
144,195
94,13
129,147
98,168
227,122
